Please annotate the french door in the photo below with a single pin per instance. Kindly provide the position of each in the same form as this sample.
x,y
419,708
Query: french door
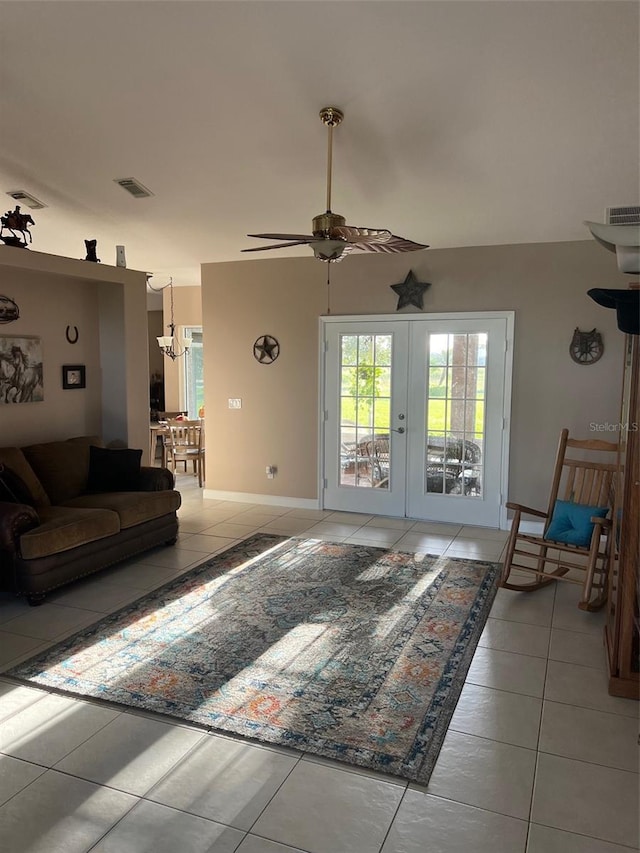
x,y
415,416
365,402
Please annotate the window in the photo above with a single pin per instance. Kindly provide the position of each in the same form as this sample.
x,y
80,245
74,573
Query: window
x,y
193,371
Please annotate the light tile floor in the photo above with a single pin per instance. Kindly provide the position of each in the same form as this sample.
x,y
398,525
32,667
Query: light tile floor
x,y
538,757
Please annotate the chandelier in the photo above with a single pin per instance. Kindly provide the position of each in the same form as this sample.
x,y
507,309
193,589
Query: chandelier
x,y
166,342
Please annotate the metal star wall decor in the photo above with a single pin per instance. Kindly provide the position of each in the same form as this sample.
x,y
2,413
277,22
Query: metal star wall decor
x,y
266,349
410,291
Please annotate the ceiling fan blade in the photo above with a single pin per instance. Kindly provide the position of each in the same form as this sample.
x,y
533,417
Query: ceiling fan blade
x,y
301,237
360,235
391,246
278,245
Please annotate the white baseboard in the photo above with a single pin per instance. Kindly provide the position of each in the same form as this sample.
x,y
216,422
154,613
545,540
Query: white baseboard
x,y
536,527
270,500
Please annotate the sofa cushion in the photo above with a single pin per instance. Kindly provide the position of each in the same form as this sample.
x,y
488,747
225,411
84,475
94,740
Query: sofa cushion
x,y
114,469
14,458
132,507
61,466
87,439
63,528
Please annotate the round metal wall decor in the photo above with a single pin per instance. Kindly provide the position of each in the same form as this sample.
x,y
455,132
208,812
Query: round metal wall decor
x,y
586,347
266,349
9,310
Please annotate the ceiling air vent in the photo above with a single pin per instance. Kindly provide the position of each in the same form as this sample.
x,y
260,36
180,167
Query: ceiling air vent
x,y
23,198
629,215
133,186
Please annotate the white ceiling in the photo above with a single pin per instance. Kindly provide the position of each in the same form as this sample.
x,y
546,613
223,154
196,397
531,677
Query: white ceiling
x,y
466,123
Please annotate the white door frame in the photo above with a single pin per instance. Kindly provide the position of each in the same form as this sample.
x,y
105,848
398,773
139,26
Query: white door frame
x,y
509,316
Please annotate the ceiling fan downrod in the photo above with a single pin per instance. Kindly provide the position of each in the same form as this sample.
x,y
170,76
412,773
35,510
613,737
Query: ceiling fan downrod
x,y
331,117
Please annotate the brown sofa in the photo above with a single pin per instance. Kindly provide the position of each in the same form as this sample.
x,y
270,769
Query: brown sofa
x,y
66,528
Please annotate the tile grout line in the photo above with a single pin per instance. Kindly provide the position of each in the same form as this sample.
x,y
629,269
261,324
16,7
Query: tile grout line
x,y
544,688
395,815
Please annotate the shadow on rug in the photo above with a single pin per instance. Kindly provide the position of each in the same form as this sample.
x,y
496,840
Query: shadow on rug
x,y
347,651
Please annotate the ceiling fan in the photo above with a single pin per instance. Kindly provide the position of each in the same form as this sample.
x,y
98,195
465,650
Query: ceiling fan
x,y
332,239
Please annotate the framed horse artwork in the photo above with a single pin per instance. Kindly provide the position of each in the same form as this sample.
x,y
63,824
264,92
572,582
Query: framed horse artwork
x,y
21,370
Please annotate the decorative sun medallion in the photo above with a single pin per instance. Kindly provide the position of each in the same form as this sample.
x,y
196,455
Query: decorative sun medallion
x,y
586,347
266,349
410,291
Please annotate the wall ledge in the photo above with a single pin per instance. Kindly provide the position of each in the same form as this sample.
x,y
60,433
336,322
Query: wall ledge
x,y
27,259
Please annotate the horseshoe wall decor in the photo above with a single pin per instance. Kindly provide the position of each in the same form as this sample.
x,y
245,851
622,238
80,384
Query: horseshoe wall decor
x,y
72,340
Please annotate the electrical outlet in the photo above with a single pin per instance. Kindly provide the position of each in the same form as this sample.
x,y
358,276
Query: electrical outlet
x,y
235,403
271,471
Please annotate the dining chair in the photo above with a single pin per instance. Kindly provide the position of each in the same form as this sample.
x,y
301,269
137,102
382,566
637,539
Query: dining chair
x,y
185,443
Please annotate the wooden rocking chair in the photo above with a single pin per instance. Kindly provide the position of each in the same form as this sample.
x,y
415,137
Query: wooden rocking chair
x,y
576,526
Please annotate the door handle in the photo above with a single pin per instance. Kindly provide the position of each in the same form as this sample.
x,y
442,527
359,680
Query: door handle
x,y
400,430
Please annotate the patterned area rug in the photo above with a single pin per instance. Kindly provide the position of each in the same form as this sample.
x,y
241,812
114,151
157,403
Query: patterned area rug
x,y
351,652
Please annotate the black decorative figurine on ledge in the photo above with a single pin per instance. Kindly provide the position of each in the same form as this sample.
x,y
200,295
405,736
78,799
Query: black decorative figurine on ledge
x,y
91,251
16,224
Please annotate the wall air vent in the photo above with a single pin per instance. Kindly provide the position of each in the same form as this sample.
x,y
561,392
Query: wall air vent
x,y
133,186
26,199
629,215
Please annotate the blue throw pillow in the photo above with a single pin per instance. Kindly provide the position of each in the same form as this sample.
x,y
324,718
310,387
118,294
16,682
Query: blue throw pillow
x,y
571,523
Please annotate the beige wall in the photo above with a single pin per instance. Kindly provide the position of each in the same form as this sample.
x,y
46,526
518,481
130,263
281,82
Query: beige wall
x,y
155,329
545,284
187,311
108,306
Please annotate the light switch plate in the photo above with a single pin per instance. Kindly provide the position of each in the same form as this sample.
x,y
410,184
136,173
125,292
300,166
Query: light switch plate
x,y
235,403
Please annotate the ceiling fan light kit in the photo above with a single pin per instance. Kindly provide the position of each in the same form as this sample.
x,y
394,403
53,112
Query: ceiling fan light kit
x,y
331,238
328,250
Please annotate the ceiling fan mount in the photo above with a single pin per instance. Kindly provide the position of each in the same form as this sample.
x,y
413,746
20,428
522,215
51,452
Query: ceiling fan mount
x,y
331,238
331,116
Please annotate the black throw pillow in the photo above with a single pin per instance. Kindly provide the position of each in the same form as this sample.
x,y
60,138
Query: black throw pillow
x,y
13,488
113,469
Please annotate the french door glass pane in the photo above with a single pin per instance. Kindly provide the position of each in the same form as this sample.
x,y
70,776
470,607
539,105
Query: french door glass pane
x,y
365,410
193,371
455,416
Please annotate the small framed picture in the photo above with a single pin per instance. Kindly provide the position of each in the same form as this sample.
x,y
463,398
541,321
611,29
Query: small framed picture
x,y
74,376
